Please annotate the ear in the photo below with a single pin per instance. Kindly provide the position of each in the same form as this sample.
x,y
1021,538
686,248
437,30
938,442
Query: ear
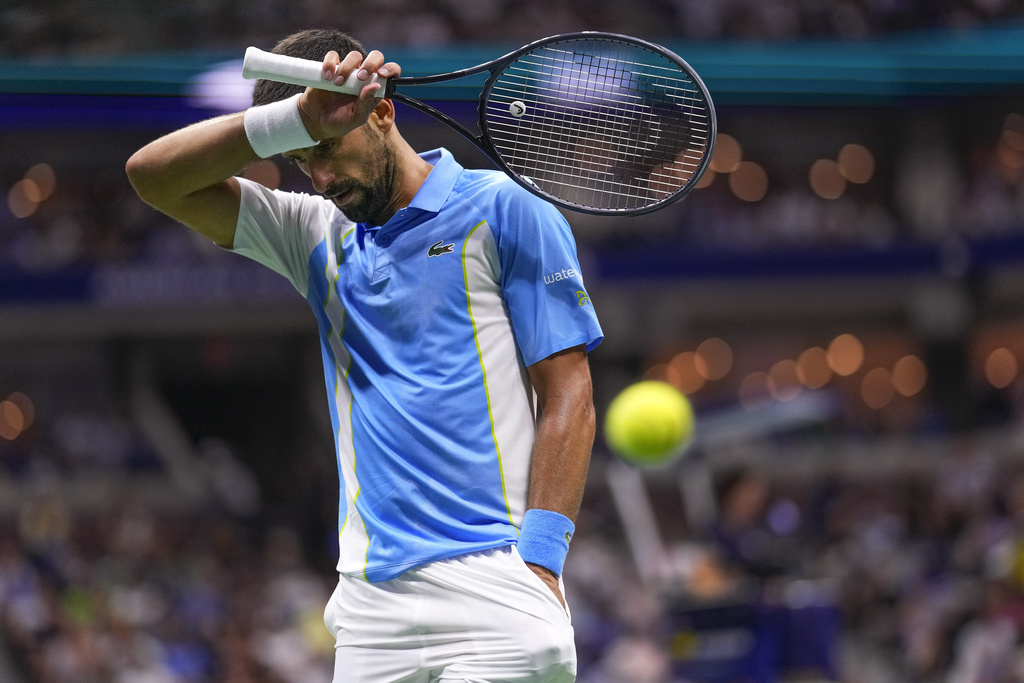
x,y
384,115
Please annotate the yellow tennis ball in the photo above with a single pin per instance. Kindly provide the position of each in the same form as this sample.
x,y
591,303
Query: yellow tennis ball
x,y
649,423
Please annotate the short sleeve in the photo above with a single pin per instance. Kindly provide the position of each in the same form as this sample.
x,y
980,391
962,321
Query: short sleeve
x,y
541,278
281,229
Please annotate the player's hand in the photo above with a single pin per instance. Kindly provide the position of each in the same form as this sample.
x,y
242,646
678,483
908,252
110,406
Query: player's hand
x,y
328,114
549,579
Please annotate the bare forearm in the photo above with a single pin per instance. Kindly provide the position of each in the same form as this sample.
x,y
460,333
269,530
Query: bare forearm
x,y
561,455
187,174
561,458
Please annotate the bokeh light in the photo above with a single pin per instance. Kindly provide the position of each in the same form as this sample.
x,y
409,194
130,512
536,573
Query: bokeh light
x,y
25,405
845,355
749,182
1009,155
826,180
856,163
12,421
727,155
23,198
1001,368
686,376
1013,139
783,381
812,368
714,358
876,388
45,179
659,373
909,375
753,389
707,179
1014,121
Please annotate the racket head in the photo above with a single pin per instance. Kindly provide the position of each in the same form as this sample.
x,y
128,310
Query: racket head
x,y
599,122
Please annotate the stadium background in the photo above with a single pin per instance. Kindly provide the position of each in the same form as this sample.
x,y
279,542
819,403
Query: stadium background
x,y
842,302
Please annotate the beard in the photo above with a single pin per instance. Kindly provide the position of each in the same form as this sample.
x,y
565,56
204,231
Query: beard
x,y
370,199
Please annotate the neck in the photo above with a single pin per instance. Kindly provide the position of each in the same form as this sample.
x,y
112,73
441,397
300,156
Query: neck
x,y
410,172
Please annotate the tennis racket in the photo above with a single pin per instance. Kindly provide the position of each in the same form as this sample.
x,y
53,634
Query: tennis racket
x,y
594,122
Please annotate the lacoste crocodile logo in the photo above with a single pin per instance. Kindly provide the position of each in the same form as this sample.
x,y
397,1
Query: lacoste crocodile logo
x,y
438,248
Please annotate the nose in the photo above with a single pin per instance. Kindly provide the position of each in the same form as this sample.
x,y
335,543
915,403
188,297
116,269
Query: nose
x,y
321,175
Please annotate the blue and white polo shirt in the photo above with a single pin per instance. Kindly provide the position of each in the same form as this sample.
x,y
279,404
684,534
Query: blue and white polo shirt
x,y
427,325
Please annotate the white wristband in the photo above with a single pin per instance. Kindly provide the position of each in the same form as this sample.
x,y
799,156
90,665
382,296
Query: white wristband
x,y
276,127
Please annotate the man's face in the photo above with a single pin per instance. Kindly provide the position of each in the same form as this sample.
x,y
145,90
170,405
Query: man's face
x,y
357,172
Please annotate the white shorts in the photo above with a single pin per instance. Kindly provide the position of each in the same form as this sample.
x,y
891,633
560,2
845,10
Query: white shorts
x,y
484,617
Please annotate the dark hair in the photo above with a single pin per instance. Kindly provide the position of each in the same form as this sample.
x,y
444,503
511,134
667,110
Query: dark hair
x,y
310,44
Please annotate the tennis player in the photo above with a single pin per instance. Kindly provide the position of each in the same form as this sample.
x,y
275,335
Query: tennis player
x,y
455,328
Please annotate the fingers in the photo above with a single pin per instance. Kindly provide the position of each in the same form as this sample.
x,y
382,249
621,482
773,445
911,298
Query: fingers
x,y
549,578
337,113
369,66
338,70
374,65
374,60
331,62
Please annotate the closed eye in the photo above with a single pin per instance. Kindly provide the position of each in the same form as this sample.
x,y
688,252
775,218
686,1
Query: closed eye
x,y
321,151
324,148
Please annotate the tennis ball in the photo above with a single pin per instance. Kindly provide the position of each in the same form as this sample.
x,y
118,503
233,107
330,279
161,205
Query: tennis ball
x,y
649,423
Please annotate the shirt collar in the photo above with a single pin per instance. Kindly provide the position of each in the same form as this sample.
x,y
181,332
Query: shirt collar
x,y
432,193
439,183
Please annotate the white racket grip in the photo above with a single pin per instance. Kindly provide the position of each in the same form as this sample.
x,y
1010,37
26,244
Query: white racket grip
x,y
306,72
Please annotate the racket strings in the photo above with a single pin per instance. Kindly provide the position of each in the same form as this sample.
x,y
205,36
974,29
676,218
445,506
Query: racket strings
x,y
690,160
622,144
566,128
607,125
532,73
694,115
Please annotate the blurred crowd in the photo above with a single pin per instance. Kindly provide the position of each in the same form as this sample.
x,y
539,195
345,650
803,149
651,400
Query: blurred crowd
x,y
924,572
130,596
83,435
912,572
929,195
92,219
924,569
30,27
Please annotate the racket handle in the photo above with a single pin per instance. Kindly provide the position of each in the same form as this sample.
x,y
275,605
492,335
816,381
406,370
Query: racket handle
x,y
296,71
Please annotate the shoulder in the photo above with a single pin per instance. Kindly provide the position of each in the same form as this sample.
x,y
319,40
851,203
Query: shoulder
x,y
294,208
281,221
508,200
256,192
493,184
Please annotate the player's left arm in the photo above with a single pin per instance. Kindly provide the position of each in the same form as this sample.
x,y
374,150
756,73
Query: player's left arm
x,y
565,436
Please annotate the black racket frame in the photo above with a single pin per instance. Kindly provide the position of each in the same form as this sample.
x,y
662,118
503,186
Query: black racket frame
x,y
497,66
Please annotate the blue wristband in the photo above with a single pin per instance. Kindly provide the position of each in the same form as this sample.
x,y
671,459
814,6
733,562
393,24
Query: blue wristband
x,y
544,538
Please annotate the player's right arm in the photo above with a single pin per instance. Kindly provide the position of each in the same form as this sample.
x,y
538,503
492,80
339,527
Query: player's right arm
x,y
189,174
